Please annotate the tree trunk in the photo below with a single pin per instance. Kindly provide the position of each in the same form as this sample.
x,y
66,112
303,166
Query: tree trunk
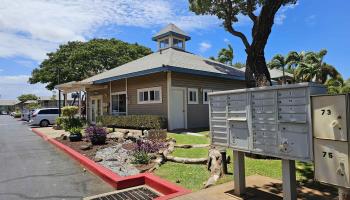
x,y
257,73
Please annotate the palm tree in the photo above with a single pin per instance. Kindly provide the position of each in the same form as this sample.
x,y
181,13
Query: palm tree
x,y
226,55
338,85
278,62
310,67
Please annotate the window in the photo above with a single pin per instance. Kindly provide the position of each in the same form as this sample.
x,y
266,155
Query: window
x,y
178,43
205,96
164,44
119,103
48,111
149,95
192,96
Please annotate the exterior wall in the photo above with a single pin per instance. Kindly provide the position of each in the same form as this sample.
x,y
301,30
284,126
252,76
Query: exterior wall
x,y
198,114
148,81
105,99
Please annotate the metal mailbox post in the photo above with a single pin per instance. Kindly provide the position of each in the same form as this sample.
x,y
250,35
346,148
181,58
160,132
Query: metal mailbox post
x,y
331,118
271,121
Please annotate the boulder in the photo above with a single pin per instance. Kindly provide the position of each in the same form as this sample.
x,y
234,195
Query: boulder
x,y
115,135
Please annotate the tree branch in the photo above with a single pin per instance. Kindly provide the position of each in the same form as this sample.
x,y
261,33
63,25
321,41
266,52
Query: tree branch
x,y
251,15
229,27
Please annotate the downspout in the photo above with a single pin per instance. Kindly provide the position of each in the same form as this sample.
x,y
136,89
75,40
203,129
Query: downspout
x,y
126,96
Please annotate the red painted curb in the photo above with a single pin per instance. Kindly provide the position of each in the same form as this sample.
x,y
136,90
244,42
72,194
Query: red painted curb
x,y
170,190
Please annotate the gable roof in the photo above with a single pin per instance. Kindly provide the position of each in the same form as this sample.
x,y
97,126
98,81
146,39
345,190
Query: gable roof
x,y
168,60
171,29
275,73
8,102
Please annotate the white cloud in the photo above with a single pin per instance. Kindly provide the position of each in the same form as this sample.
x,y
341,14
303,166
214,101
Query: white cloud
x,y
32,28
226,40
13,86
281,14
310,20
204,46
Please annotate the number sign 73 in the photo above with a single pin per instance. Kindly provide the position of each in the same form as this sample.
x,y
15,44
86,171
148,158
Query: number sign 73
x,y
328,111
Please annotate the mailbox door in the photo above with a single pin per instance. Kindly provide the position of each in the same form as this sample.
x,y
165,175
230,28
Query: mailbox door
x,y
218,122
329,117
332,162
239,135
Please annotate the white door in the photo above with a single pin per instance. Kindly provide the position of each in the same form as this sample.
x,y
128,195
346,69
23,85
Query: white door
x,y
178,109
95,108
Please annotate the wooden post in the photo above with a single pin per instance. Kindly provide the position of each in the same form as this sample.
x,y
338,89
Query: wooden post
x,y
224,161
344,194
238,173
289,180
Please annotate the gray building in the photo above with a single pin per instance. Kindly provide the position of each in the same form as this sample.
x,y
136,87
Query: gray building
x,y
171,82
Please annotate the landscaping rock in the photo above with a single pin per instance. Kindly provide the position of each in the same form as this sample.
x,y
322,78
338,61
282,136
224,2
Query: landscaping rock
x,y
85,147
117,159
115,135
63,137
96,159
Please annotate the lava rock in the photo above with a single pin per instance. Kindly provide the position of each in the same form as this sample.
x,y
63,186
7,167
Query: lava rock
x,y
64,137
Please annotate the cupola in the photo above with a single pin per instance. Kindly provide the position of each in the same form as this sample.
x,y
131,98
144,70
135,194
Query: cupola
x,y
171,37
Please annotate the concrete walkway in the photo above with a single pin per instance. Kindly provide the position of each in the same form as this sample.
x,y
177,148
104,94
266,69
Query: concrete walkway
x,y
31,168
259,188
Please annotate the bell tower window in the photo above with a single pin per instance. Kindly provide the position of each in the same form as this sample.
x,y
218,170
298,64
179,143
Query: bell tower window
x,y
163,44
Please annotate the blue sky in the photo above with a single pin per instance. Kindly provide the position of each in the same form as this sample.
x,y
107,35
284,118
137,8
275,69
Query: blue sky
x,y
30,29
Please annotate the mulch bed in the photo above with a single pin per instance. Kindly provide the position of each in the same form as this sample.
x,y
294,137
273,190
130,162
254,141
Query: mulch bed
x,y
90,153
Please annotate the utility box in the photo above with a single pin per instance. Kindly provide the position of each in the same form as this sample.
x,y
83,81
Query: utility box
x,y
331,139
271,121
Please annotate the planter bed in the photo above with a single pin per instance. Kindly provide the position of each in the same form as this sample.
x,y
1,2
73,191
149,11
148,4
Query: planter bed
x,y
164,187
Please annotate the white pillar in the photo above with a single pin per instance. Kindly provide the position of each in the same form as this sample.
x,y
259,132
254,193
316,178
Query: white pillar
x,y
289,180
238,173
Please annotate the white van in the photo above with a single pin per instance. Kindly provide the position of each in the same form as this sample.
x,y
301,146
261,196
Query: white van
x,y
44,117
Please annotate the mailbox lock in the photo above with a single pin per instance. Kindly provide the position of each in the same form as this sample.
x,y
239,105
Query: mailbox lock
x,y
341,169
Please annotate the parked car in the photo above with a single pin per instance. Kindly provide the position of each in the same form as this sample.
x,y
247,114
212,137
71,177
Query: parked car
x,y
3,113
26,114
44,117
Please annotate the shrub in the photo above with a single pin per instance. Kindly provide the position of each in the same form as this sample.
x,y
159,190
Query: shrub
x,y
93,131
149,146
17,115
70,111
75,130
134,121
141,157
68,123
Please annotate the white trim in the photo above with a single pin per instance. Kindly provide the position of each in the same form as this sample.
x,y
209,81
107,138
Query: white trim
x,y
148,90
169,88
126,92
188,94
110,97
118,93
95,97
203,95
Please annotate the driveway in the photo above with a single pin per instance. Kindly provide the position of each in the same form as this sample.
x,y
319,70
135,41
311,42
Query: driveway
x,y
31,168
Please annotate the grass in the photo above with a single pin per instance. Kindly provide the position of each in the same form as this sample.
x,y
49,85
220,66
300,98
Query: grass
x,y
187,175
188,139
193,176
191,153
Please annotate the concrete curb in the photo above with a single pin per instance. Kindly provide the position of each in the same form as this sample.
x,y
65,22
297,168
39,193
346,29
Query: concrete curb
x,y
170,190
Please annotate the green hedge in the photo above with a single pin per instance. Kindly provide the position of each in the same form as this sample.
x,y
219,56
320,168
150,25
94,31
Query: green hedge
x,y
134,121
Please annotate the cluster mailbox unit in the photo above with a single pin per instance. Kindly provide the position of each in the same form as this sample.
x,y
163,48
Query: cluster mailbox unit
x,y
331,139
271,121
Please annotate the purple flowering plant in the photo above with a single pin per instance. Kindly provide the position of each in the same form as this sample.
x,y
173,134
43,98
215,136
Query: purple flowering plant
x,y
149,146
95,131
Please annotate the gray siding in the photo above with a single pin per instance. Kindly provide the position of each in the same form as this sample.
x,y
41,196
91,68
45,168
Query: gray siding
x,y
198,114
154,80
